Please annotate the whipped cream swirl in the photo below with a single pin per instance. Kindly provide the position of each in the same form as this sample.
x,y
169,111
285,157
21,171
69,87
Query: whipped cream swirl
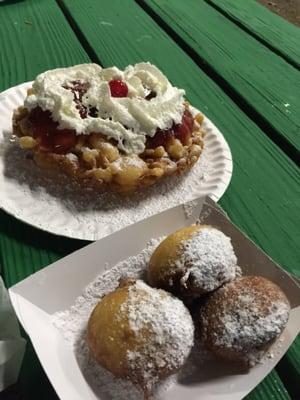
x,y
128,120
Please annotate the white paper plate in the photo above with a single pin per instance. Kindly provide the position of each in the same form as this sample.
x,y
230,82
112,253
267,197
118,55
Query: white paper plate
x,y
59,207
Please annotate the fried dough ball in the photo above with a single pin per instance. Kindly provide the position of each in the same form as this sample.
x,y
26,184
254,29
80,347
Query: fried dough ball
x,y
193,261
140,333
242,319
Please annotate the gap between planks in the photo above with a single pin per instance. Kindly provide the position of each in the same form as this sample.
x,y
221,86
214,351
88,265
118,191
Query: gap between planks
x,y
259,38
79,35
243,105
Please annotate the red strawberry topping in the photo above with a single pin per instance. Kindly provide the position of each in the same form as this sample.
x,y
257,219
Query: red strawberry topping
x,y
180,131
51,139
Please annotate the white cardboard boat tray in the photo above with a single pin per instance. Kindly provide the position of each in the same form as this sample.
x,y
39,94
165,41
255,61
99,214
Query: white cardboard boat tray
x,y
56,287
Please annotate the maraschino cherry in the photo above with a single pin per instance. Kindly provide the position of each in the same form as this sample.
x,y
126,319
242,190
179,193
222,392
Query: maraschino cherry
x,y
118,88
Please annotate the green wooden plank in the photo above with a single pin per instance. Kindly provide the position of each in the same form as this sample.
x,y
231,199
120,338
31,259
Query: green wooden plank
x,y
25,250
265,390
277,33
266,84
263,198
34,36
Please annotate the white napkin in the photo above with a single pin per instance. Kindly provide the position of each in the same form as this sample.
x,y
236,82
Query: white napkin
x,y
12,345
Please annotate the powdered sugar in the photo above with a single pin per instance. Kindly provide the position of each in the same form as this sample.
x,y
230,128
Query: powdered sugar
x,y
244,316
247,330
200,366
209,260
73,210
100,379
170,331
58,205
189,208
246,327
72,325
72,321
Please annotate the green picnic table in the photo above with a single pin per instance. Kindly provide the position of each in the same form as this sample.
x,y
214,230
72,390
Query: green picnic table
x,y
239,64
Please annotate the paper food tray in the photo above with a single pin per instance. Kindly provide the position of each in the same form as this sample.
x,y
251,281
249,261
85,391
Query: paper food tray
x,y
56,287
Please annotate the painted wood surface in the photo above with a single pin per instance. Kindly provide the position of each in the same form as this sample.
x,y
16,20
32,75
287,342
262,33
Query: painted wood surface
x,y
34,36
264,84
281,36
265,182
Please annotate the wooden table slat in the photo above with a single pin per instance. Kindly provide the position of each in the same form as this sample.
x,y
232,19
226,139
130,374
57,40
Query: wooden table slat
x,y
277,33
34,37
265,390
263,83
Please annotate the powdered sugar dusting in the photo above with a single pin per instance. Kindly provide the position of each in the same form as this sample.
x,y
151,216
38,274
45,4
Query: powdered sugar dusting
x,y
72,321
73,210
170,327
209,258
189,208
105,384
201,364
246,327
72,325
245,316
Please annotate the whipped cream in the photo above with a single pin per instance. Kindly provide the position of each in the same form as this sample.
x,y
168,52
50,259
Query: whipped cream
x,y
128,120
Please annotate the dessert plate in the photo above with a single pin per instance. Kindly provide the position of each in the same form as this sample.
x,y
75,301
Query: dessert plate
x,y
58,205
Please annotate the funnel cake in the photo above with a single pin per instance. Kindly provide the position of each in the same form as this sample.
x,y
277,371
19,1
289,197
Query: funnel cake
x,y
106,127
140,333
